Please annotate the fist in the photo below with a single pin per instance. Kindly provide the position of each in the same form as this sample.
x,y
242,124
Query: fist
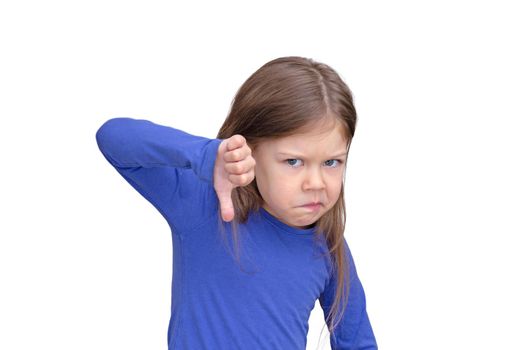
x,y
234,166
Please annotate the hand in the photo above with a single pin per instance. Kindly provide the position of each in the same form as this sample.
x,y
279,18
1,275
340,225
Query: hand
x,y
234,166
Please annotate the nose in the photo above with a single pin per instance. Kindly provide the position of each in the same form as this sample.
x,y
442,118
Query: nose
x,y
313,179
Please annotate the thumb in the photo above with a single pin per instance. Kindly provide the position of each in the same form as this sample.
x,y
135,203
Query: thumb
x,y
225,201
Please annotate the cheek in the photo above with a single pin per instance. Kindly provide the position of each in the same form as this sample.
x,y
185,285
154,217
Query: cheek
x,y
271,187
279,193
335,190
281,190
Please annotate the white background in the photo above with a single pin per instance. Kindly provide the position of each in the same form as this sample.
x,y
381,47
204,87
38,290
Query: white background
x,y
435,180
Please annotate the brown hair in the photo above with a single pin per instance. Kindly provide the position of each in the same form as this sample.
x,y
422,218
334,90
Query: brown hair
x,y
287,96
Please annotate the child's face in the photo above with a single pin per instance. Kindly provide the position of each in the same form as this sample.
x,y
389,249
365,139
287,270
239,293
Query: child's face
x,y
296,170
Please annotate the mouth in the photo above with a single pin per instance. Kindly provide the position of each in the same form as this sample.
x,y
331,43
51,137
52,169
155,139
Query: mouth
x,y
312,206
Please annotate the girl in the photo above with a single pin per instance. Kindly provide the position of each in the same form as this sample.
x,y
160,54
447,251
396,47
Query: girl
x,y
271,184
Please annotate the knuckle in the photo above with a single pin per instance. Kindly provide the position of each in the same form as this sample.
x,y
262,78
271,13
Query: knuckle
x,y
232,168
236,140
238,154
238,168
232,156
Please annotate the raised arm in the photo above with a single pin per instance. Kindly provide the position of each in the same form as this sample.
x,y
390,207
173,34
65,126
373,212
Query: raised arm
x,y
155,159
354,331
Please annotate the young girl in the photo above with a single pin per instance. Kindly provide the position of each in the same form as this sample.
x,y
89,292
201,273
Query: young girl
x,y
270,186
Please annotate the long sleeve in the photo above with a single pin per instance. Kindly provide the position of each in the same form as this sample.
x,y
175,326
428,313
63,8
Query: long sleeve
x,y
157,161
354,332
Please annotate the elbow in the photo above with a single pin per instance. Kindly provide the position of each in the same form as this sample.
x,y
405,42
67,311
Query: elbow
x,y
108,132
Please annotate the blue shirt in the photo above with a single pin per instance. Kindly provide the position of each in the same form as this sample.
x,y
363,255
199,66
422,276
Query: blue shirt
x,y
263,303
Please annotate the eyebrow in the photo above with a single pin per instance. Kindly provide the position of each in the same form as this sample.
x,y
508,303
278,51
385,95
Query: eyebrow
x,y
300,156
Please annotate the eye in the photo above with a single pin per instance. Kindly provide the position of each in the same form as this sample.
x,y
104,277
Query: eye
x,y
336,160
290,161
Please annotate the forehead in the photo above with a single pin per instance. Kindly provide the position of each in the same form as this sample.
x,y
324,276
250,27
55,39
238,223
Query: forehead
x,y
319,139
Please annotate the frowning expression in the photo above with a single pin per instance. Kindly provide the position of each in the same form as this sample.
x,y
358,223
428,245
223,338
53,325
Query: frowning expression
x,y
294,171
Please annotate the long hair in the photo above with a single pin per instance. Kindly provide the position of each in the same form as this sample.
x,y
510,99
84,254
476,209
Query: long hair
x,y
283,97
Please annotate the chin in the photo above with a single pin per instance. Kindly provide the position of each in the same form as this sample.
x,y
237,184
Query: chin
x,y
307,224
